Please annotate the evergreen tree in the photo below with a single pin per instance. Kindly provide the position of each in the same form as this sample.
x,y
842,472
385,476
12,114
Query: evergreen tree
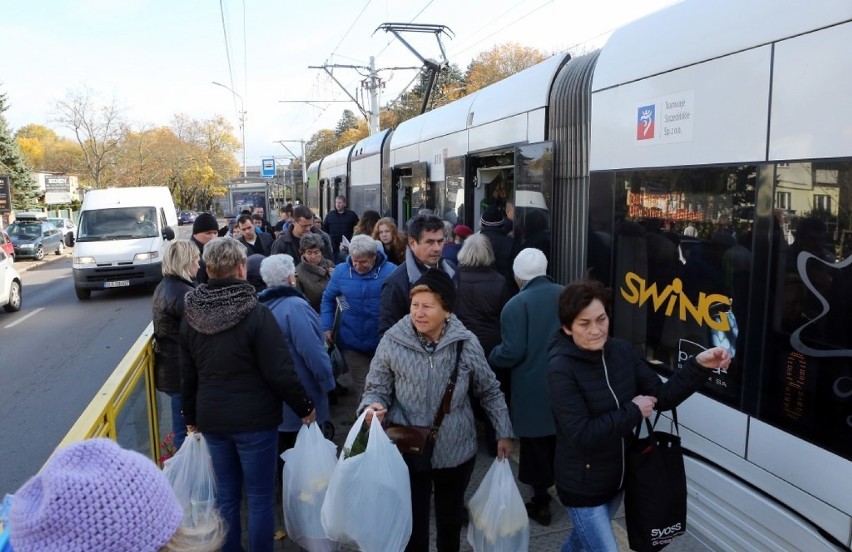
x,y
347,121
25,192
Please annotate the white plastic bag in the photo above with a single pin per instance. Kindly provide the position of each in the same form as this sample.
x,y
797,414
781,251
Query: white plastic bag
x,y
498,517
368,503
190,471
308,467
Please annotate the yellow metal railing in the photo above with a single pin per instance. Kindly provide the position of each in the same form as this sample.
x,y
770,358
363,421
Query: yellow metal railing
x,y
125,408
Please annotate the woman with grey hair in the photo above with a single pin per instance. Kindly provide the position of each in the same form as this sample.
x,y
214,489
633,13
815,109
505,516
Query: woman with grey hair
x,y
482,293
314,272
357,285
236,371
300,325
180,264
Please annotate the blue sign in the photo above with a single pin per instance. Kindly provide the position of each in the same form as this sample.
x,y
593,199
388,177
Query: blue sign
x,y
268,169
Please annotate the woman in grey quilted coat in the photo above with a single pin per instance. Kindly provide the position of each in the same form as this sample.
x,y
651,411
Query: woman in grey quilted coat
x,y
407,381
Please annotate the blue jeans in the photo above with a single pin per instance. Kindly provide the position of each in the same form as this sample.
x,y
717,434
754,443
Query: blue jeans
x,y
178,427
248,457
593,528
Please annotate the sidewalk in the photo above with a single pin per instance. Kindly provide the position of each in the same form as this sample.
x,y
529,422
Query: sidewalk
x,y
542,539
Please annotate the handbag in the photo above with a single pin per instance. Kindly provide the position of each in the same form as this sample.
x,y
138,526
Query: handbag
x,y
655,488
338,361
417,443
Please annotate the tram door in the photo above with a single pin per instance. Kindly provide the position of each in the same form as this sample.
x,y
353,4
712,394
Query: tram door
x,y
493,186
413,191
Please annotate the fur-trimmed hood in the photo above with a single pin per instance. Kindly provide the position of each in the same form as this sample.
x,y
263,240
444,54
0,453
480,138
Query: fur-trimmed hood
x,y
219,305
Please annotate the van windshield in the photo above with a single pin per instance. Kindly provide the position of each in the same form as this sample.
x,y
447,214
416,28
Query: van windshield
x,y
123,223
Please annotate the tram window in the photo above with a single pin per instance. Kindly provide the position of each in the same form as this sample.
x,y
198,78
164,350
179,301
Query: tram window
x,y
807,377
682,264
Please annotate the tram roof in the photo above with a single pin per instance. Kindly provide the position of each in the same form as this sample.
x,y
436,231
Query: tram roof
x,y
693,31
518,93
370,145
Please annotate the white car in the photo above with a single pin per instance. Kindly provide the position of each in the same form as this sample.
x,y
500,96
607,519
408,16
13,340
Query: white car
x,y
10,284
68,229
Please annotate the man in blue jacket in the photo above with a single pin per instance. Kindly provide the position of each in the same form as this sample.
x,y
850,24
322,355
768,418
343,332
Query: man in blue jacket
x,y
356,285
528,321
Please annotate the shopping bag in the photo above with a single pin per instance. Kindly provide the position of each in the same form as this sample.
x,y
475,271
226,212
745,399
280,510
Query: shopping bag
x,y
190,471
655,489
368,502
498,517
307,472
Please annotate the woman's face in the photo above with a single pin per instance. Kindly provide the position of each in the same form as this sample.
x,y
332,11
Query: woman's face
x,y
313,256
193,265
428,314
590,328
385,235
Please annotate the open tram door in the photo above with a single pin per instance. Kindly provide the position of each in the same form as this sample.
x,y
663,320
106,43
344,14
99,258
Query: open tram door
x,y
518,182
411,191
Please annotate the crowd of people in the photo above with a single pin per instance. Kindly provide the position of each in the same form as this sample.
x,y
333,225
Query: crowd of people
x,y
243,321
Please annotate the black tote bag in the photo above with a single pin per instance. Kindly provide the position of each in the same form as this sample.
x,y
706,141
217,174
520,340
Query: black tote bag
x,y
655,489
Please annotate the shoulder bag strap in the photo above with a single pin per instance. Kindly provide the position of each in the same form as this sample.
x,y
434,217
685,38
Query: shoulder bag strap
x,y
444,407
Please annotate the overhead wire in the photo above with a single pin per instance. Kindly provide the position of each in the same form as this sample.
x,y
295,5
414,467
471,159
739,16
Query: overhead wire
x,y
503,28
228,52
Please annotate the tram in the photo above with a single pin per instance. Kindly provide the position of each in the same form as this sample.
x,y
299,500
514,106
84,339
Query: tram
x,y
700,164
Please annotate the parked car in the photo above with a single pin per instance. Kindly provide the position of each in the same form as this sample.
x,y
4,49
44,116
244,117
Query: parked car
x,y
186,217
7,245
10,284
68,229
35,238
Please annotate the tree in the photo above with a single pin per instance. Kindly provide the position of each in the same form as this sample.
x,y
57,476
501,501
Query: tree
x,y
322,143
25,192
98,129
449,86
501,61
46,151
347,121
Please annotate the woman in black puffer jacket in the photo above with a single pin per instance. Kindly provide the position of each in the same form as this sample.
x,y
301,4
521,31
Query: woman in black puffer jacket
x,y
600,389
179,265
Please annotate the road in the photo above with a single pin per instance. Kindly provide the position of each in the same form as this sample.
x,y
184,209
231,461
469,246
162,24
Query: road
x,y
55,353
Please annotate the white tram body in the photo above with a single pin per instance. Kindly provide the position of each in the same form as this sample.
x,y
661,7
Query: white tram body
x,y
686,160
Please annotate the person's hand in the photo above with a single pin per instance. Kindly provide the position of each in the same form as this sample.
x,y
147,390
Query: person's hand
x,y
378,410
717,357
328,339
645,403
331,269
310,418
504,448
191,429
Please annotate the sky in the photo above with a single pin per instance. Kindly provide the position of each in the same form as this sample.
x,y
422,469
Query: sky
x,y
160,58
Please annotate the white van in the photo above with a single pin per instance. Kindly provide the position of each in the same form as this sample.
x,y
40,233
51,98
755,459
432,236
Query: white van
x,y
122,237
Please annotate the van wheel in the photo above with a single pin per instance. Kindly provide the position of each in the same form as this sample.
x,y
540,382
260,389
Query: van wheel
x,y
39,253
82,293
61,249
14,304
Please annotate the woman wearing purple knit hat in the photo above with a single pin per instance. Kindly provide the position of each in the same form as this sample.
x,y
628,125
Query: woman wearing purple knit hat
x,y
94,495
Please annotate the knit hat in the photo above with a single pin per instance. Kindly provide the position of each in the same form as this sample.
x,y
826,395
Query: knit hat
x,y
529,263
492,217
94,495
439,283
463,231
204,222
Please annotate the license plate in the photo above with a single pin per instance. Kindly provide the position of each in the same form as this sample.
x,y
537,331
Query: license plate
x,y
117,283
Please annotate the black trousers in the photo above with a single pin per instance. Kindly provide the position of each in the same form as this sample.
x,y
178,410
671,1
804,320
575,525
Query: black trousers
x,y
450,485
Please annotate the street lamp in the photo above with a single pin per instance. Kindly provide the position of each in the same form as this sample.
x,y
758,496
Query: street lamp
x,y
242,121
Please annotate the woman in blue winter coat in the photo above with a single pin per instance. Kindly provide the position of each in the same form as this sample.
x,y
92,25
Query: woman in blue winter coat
x,y
356,285
301,328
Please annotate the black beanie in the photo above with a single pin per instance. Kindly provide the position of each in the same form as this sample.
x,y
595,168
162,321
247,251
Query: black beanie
x,y
204,222
439,283
491,217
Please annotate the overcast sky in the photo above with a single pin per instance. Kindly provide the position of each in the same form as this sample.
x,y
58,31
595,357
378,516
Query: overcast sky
x,y
158,58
